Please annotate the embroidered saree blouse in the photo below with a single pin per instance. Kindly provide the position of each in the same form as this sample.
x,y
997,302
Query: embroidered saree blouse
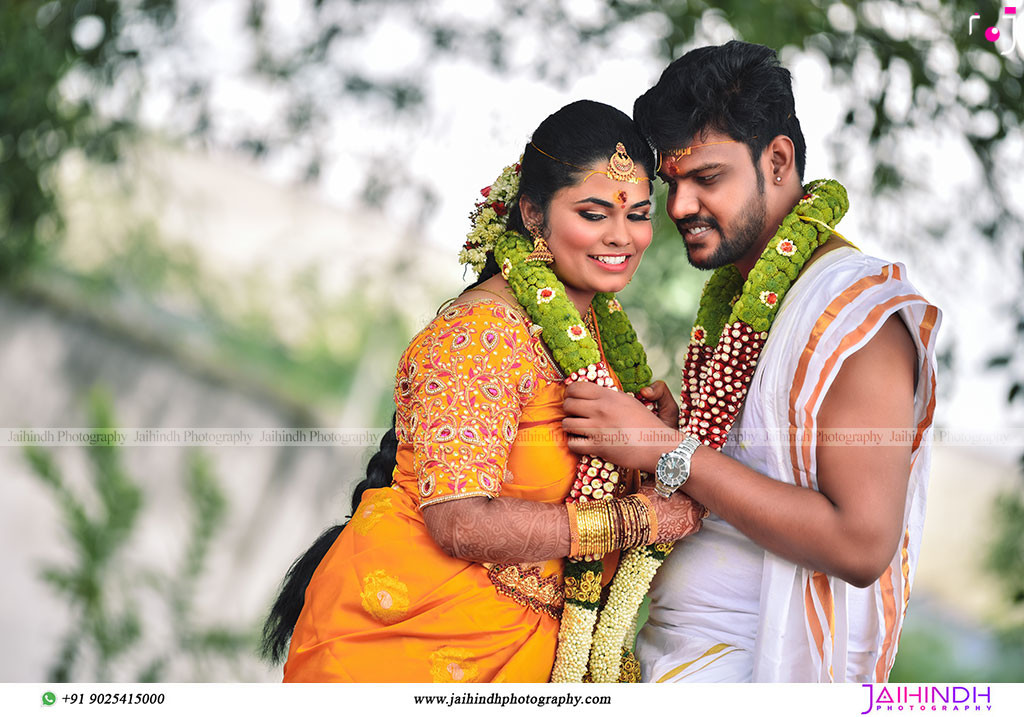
x,y
479,411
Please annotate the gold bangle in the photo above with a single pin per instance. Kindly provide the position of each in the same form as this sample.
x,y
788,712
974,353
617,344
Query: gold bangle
x,y
614,526
642,521
610,527
586,517
652,519
574,531
585,522
638,524
597,530
615,530
627,514
606,531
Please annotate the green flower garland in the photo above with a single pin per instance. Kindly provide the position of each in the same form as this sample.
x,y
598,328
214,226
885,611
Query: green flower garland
x,y
542,295
735,315
803,230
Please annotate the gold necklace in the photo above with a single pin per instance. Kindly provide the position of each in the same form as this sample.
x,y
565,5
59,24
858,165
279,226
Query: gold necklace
x,y
590,322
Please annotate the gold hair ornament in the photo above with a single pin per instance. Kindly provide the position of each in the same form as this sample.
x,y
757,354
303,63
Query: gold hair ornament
x,y
621,166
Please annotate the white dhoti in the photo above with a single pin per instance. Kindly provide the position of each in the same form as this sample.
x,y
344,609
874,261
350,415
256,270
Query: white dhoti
x,y
703,630
723,609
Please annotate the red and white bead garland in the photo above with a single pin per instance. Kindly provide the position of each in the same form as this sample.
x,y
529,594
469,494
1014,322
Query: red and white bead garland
x,y
716,377
596,478
715,381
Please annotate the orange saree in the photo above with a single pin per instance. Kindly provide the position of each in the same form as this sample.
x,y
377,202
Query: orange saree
x,y
479,410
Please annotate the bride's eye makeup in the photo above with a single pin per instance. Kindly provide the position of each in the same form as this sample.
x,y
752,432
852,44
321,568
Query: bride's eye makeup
x,y
639,212
592,212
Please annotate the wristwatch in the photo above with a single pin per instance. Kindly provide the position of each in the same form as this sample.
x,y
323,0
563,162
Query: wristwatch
x,y
674,467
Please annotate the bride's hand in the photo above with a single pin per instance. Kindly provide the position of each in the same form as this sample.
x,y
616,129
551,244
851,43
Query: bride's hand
x,y
616,426
678,515
665,406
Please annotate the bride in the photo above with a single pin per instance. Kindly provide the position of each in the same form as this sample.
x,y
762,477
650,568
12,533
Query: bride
x,y
453,567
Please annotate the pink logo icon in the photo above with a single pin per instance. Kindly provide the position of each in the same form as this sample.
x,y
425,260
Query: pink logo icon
x,y
993,34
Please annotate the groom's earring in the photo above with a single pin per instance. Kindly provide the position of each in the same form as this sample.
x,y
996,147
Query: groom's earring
x,y
540,246
778,179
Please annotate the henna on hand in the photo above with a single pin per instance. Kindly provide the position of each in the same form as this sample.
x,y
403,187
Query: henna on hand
x,y
678,516
502,530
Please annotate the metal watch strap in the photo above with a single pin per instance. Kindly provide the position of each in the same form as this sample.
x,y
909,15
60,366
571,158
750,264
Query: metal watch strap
x,y
678,460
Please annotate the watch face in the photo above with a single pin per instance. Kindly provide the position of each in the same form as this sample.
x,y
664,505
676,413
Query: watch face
x,y
671,470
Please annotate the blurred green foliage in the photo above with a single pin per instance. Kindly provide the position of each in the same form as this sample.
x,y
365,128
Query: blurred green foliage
x,y
929,656
1005,560
105,588
1006,557
44,48
98,542
930,652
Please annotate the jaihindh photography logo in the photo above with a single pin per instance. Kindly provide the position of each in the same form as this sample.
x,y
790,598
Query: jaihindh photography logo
x,y
928,698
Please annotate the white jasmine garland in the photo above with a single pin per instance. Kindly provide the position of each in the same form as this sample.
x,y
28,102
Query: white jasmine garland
x,y
574,637
615,627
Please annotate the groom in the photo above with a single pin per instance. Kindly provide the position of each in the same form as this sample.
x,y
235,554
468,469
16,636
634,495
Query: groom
x,y
803,569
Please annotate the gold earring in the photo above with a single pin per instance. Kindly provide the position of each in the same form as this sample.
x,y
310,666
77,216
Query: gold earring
x,y
540,246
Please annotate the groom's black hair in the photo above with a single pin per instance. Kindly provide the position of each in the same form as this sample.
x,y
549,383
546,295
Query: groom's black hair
x,y
738,89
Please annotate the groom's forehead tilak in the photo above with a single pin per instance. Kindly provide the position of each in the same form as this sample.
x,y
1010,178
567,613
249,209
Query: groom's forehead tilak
x,y
669,161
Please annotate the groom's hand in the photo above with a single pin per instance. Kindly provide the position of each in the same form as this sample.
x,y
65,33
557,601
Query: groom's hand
x,y
665,405
615,426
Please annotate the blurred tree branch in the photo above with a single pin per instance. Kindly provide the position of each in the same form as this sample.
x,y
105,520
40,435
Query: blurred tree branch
x,y
53,55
